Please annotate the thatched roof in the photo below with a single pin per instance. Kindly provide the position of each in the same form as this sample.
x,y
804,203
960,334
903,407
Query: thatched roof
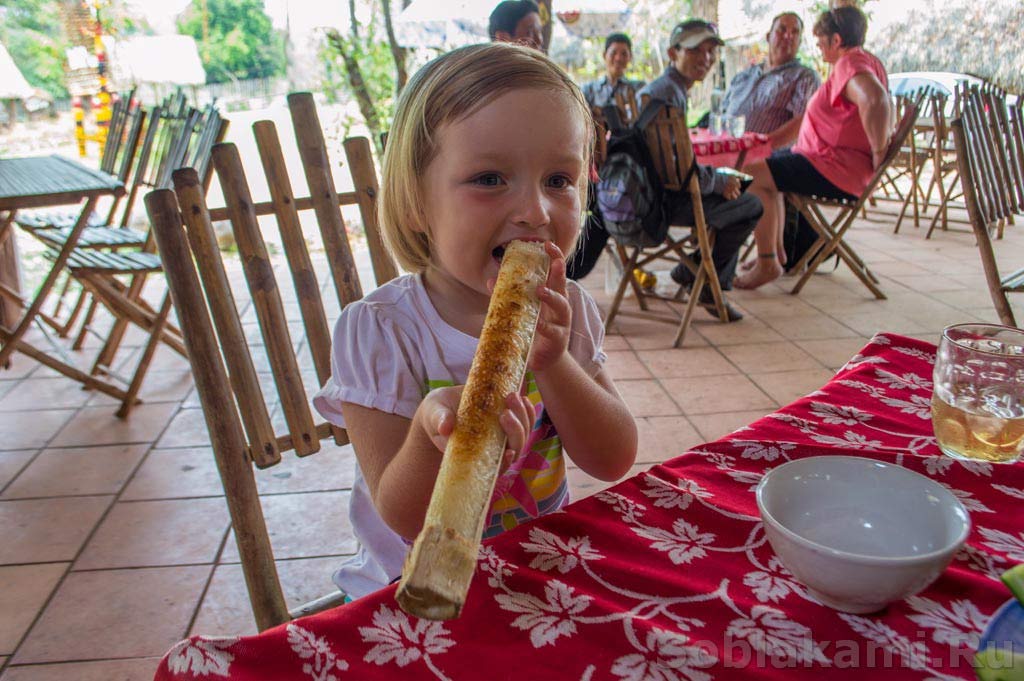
x,y
12,84
984,39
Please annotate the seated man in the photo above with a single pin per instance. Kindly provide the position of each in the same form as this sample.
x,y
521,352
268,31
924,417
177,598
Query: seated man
x,y
618,52
517,21
773,95
731,214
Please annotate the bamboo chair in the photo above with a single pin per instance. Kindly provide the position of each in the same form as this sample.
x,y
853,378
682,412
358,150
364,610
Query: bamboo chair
x,y
915,155
831,231
241,430
187,143
972,137
668,140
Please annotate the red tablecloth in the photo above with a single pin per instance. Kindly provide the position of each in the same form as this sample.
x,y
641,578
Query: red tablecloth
x,y
668,575
721,151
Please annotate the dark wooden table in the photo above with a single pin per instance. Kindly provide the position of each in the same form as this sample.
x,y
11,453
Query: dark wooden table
x,y
37,182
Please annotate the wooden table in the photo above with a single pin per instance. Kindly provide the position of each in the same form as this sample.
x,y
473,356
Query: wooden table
x,y
37,182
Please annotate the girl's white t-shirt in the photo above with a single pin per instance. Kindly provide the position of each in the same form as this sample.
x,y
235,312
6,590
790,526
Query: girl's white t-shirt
x,y
389,350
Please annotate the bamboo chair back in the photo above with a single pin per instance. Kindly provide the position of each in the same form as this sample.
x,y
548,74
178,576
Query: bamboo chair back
x,y
242,428
993,147
972,137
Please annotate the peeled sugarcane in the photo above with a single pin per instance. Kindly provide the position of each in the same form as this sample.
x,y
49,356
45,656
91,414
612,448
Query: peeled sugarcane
x,y
440,565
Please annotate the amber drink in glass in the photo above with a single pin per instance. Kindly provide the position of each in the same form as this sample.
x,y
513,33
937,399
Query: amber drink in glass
x,y
978,402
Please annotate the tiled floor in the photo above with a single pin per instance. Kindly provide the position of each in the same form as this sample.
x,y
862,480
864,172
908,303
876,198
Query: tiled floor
x,y
114,537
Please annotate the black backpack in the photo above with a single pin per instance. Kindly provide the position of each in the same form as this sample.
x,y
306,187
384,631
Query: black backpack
x,y
629,192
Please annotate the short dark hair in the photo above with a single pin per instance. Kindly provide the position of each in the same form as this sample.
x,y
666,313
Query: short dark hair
x,y
849,22
778,16
507,14
617,38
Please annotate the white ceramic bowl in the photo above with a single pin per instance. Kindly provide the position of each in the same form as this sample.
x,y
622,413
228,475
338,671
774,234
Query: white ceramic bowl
x,y
859,533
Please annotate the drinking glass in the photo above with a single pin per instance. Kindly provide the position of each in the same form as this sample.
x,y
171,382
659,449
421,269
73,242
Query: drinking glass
x,y
737,125
978,401
717,122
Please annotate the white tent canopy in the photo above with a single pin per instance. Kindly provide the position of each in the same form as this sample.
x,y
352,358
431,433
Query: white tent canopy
x,y
12,84
171,59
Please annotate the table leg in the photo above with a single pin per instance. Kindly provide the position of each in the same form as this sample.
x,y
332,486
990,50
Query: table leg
x,y
8,268
12,340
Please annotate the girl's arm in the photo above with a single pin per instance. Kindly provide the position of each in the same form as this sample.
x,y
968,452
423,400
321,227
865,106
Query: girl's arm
x,y
400,457
594,424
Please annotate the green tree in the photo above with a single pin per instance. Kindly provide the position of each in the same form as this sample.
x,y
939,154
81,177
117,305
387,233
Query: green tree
x,y
32,32
236,39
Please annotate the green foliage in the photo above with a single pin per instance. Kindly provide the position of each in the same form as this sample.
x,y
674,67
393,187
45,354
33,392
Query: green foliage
x,y
370,50
32,32
241,41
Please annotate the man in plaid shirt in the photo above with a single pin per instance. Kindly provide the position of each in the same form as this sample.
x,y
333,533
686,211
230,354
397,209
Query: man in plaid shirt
x,y
772,95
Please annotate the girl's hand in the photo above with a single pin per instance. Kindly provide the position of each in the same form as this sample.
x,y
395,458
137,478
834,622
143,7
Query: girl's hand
x,y
555,324
437,414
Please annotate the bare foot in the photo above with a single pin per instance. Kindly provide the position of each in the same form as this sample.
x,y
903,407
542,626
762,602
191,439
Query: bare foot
x,y
747,265
766,270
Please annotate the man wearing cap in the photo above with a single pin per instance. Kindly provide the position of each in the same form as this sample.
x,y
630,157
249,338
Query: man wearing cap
x,y
618,52
731,214
773,95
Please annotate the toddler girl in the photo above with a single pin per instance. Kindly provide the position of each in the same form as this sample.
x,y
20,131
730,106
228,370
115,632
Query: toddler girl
x,y
490,143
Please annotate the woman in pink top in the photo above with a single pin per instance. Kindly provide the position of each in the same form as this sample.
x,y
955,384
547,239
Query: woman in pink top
x,y
842,139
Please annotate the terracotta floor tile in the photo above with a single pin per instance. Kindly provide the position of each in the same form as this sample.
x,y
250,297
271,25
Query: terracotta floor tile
x,y
624,364
304,526
45,393
99,426
135,669
97,470
155,533
787,386
891,322
21,366
784,356
715,426
11,463
664,437
615,342
44,530
747,330
582,485
682,362
17,432
158,386
19,607
834,352
773,306
226,610
115,613
187,429
332,468
646,398
174,474
711,394
808,328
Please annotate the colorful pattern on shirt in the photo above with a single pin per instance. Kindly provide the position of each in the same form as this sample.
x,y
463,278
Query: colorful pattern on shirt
x,y
534,483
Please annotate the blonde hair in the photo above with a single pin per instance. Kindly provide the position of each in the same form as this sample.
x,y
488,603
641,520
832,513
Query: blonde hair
x,y
447,90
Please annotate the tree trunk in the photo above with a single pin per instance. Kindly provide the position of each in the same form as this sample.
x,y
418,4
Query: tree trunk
x,y
353,24
355,80
397,52
705,9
